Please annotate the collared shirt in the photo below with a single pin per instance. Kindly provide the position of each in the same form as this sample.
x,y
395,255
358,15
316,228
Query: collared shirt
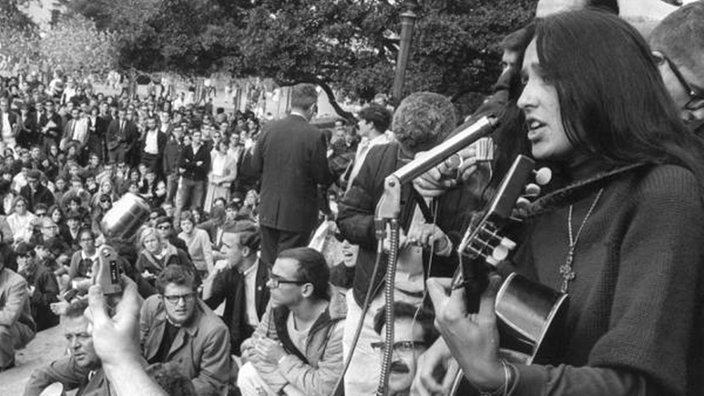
x,y
151,145
362,151
80,131
6,127
250,290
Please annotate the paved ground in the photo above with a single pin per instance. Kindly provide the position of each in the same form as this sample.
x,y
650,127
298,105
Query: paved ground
x,y
46,346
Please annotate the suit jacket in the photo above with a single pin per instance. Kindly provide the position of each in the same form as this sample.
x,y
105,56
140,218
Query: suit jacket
x,y
229,286
290,156
125,139
27,129
201,350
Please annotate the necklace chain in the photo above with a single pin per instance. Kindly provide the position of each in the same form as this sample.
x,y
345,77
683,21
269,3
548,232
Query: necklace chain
x,y
566,270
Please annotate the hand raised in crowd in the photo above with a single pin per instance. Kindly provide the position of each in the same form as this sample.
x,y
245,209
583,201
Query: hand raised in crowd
x,y
116,339
473,339
447,174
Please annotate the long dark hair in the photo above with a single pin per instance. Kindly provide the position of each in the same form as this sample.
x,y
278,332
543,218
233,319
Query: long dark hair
x,y
613,102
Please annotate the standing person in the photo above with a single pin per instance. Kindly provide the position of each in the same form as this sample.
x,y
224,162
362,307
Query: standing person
x,y
374,121
172,159
50,126
622,237
195,165
121,136
152,146
10,123
290,156
224,171
97,128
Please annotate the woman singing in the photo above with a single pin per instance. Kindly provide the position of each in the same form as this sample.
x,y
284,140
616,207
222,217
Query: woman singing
x,y
622,237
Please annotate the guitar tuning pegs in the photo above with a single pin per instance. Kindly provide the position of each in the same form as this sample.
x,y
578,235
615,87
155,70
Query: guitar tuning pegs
x,y
532,190
507,243
522,203
542,176
492,261
499,253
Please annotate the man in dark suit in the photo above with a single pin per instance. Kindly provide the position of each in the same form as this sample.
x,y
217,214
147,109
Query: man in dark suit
x,y
152,147
121,137
241,283
51,126
290,155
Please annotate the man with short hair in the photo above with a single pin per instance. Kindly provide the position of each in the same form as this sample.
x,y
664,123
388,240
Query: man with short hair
x,y
678,49
50,126
297,347
414,332
374,121
171,159
165,227
195,165
35,192
17,327
290,156
152,145
240,283
176,326
82,369
121,137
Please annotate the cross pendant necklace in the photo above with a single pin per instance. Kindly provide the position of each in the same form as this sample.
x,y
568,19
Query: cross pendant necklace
x,y
566,270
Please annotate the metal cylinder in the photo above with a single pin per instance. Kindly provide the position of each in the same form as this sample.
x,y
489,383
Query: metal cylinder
x,y
125,217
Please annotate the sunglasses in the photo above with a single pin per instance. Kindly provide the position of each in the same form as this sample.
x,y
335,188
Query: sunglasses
x,y
696,95
164,227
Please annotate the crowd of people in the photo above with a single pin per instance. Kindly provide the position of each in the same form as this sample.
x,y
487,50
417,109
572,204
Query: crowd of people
x,y
229,295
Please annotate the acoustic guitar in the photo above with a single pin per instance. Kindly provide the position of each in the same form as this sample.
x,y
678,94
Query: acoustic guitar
x,y
529,314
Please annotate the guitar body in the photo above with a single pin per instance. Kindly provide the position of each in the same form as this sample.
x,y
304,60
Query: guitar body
x,y
529,314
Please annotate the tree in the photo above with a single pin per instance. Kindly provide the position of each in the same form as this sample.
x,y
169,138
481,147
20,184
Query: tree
x,y
348,45
76,44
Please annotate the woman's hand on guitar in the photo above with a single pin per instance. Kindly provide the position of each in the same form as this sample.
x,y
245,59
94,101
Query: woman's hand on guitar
x,y
436,371
473,339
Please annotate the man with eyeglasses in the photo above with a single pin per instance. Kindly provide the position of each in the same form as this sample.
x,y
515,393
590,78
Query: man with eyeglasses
x,y
414,332
678,45
297,347
176,326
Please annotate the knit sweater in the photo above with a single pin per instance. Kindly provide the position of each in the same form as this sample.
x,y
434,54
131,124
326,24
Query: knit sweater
x,y
634,301
200,248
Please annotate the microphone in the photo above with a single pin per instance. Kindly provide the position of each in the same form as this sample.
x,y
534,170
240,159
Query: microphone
x,y
461,137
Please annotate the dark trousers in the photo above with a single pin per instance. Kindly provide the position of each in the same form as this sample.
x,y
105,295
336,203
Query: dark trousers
x,y
192,193
275,241
153,162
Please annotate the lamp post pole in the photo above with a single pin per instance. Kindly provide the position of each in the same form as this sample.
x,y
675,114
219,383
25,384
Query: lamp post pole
x,y
408,20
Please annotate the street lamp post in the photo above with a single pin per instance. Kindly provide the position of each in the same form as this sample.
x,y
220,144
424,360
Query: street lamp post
x,y
408,20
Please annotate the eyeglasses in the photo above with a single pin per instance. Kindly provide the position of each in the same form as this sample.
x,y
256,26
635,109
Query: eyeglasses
x,y
175,299
696,95
400,346
164,227
40,214
275,281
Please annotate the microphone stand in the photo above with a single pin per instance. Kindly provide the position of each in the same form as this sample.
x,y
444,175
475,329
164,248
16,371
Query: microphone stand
x,y
389,208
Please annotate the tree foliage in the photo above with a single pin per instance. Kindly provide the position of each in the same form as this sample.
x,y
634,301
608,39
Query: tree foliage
x,y
74,43
350,45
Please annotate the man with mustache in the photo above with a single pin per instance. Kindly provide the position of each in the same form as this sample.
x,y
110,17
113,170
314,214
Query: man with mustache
x,y
413,334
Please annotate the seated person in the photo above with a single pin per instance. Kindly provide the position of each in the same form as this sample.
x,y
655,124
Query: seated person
x,y
240,282
41,287
297,347
176,326
17,327
155,254
414,332
82,369
81,267
165,226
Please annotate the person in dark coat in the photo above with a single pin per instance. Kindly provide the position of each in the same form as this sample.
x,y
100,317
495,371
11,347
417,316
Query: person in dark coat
x,y
290,155
43,289
35,192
